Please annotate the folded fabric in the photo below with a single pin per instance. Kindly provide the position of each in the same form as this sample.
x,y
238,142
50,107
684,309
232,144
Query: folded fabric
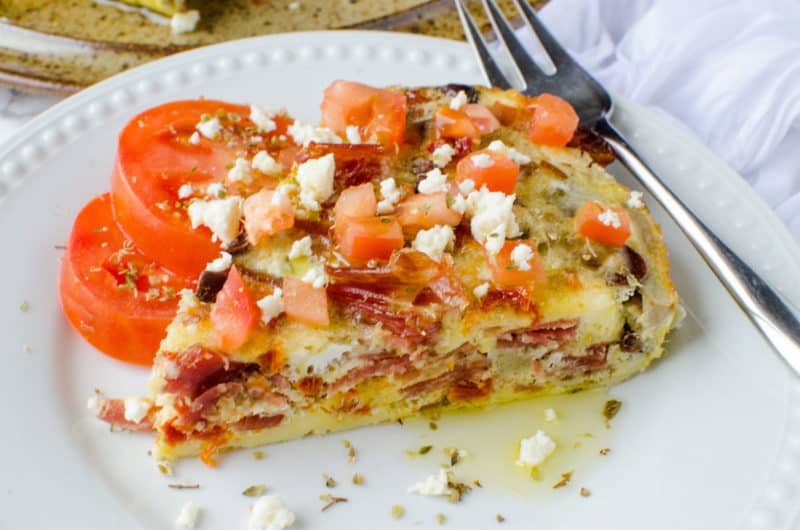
x,y
727,69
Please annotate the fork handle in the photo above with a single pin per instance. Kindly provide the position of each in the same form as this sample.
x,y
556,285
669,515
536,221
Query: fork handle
x,y
773,317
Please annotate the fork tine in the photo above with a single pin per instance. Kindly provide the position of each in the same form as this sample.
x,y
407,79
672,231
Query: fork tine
x,y
524,64
558,55
490,69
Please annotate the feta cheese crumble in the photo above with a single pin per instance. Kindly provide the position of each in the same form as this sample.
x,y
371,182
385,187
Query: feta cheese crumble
x,y
184,22
294,6
550,415
194,139
434,241
221,264
304,134
442,155
510,152
262,120
466,186
209,128
240,171
271,305
610,218
434,485
188,516
270,513
535,450
521,257
482,160
390,195
458,101
264,163
315,177
301,248
481,290
216,190
136,408
433,182
493,219
221,216
185,191
635,200
316,277
352,134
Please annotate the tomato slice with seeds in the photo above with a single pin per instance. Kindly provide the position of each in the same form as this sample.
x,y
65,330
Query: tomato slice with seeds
x,y
155,157
116,297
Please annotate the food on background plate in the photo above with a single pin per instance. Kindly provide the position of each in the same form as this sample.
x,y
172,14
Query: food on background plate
x,y
421,249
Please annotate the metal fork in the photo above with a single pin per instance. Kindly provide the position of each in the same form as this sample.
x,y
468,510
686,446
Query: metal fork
x,y
593,104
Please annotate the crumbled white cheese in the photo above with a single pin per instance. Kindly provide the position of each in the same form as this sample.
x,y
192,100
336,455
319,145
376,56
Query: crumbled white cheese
x,y
434,485
352,134
442,155
458,101
221,216
187,519
194,139
240,171
521,257
304,134
294,6
262,120
466,186
315,177
185,191
93,403
390,193
216,190
136,408
316,276
184,22
550,415
535,450
209,128
270,513
188,301
493,219
221,264
433,182
434,241
301,248
482,160
635,200
510,152
266,164
610,218
271,305
481,290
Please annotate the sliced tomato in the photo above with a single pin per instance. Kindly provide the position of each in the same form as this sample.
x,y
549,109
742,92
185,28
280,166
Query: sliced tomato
x,y
482,118
451,123
425,210
118,299
507,273
355,201
235,313
500,175
155,158
267,213
305,303
603,224
375,111
553,122
366,238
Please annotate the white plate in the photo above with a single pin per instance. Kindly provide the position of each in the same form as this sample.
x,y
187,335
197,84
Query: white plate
x,y
708,439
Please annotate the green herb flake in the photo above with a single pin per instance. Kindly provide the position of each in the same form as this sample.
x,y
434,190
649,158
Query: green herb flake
x,y
258,455
440,518
610,409
330,482
433,426
24,306
398,511
358,479
565,478
425,449
255,490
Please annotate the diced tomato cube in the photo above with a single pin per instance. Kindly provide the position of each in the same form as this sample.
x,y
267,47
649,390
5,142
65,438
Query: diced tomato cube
x,y
553,122
265,213
425,210
507,273
603,224
305,303
375,111
366,238
482,118
235,313
355,201
492,169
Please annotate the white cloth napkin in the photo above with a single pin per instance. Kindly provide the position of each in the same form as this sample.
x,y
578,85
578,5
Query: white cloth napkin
x,y
727,69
